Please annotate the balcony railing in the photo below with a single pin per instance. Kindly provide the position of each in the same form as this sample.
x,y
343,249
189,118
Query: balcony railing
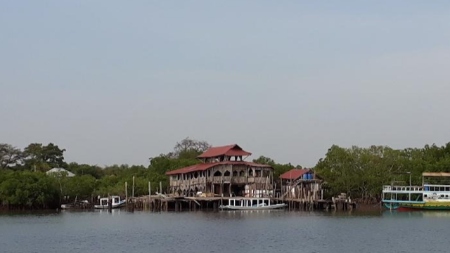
x,y
221,179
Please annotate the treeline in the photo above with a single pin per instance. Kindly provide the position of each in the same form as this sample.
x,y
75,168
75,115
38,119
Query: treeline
x,y
25,185
361,172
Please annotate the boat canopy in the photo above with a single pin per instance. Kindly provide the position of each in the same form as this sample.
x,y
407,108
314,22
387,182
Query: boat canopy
x,y
436,174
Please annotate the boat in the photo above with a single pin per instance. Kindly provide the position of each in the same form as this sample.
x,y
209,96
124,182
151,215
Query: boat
x,y
433,194
83,204
243,203
116,202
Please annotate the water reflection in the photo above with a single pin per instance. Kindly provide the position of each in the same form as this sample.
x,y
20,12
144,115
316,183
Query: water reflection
x,y
416,214
225,231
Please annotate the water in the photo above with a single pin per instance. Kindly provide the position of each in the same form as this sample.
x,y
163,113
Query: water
x,y
263,231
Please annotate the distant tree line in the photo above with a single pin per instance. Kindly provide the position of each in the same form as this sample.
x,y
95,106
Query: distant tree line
x,y
359,172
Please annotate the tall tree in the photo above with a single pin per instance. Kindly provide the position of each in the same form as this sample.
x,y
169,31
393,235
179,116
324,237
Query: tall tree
x,y
40,157
189,148
9,156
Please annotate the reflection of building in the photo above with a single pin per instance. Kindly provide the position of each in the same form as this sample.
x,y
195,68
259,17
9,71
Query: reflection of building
x,y
301,184
223,171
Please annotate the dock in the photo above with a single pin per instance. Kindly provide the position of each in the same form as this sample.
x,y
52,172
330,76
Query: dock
x,y
161,203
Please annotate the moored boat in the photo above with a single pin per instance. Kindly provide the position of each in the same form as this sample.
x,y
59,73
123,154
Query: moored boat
x,y
83,204
433,194
116,202
243,203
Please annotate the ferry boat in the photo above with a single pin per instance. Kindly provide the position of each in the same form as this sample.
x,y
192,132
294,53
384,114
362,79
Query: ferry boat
x,y
251,204
433,194
116,202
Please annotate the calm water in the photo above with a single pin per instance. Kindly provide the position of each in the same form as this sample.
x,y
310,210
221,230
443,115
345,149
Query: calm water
x,y
268,231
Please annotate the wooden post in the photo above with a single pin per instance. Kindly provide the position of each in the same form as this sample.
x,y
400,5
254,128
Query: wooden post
x,y
126,193
273,190
149,193
132,194
109,203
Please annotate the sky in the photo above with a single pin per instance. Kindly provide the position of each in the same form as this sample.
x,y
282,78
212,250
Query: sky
x,y
117,82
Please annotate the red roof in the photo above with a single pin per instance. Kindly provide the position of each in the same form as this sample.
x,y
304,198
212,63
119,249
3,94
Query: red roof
x,y
229,150
294,174
205,166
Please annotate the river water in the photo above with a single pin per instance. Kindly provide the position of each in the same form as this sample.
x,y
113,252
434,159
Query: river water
x,y
227,231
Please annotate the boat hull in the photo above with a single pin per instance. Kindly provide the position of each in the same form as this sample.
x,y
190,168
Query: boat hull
x,y
426,206
117,205
276,206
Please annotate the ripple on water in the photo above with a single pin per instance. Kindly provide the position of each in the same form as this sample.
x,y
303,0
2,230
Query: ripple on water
x,y
268,231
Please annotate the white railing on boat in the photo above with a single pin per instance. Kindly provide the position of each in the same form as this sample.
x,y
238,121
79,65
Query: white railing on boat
x,y
406,189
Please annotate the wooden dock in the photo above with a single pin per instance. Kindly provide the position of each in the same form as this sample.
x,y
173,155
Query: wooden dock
x,y
158,203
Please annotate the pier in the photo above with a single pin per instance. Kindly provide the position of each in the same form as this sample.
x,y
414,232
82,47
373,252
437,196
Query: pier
x,y
158,203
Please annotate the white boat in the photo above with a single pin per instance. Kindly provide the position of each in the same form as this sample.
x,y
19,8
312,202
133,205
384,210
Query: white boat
x,y
250,204
433,194
116,202
83,204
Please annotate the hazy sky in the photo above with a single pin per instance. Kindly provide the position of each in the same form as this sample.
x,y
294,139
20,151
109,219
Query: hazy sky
x,y
121,81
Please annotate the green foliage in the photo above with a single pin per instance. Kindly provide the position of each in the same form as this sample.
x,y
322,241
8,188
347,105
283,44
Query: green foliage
x,y
28,190
86,169
81,187
43,158
9,156
189,149
361,172
278,168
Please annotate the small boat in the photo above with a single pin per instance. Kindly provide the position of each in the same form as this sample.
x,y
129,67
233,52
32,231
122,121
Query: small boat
x,y
116,202
433,194
83,204
250,204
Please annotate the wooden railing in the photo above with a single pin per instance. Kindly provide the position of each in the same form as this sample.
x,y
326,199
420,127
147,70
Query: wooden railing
x,y
219,180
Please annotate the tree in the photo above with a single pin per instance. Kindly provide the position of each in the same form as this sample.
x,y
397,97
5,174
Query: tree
x,y
264,160
81,187
188,148
39,157
85,169
25,189
9,156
